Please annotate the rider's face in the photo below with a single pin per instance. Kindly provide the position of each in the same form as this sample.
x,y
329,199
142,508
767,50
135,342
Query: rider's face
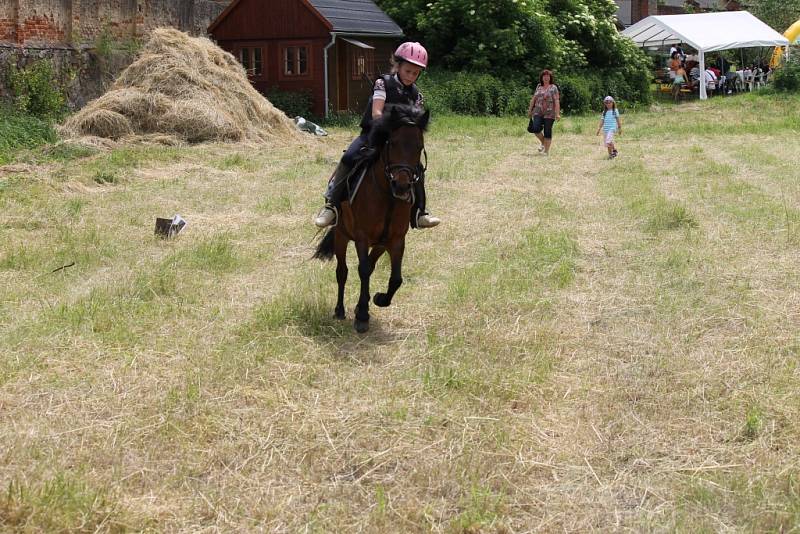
x,y
408,72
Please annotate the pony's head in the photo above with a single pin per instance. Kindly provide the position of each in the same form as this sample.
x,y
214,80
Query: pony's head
x,y
400,135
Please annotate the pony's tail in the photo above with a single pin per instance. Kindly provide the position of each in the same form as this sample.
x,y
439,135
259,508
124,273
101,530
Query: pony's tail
x,y
325,248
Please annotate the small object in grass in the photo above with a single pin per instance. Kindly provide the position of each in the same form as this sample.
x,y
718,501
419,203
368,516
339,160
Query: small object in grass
x,y
308,126
167,228
62,267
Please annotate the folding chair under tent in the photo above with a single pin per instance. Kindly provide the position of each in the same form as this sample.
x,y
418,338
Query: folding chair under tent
x,y
705,32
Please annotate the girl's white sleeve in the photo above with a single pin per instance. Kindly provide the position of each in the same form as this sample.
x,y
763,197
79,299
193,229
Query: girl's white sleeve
x,y
379,90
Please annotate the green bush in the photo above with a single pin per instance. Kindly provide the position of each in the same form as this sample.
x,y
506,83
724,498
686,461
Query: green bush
x,y
18,131
36,90
583,91
481,94
474,94
576,94
787,77
293,103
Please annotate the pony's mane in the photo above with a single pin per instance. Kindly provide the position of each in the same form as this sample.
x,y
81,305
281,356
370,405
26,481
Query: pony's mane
x,y
397,115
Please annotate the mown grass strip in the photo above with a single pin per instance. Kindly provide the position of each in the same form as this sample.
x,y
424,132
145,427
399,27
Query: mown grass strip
x,y
637,191
540,259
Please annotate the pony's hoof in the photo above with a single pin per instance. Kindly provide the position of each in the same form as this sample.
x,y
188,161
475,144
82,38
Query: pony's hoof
x,y
338,314
381,299
361,326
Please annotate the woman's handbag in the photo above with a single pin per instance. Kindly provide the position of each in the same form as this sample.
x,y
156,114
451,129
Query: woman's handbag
x,y
530,125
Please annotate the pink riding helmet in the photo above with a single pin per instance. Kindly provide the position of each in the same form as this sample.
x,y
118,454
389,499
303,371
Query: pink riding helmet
x,y
413,53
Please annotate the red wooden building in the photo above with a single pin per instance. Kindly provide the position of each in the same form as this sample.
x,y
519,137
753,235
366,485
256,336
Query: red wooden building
x,y
331,48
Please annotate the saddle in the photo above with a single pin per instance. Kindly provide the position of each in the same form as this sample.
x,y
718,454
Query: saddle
x,y
355,178
366,157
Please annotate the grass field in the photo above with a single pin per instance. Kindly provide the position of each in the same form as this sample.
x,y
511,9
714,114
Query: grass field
x,y
583,344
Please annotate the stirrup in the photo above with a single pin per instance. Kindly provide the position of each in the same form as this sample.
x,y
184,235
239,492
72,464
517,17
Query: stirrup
x,y
329,215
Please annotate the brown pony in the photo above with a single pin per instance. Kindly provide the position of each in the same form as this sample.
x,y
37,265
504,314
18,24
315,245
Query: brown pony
x,y
378,219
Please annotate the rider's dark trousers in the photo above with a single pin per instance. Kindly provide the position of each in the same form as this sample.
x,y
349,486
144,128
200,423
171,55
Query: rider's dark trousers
x,y
336,184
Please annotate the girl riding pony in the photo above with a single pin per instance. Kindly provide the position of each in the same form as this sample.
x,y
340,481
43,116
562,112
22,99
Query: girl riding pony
x,y
397,88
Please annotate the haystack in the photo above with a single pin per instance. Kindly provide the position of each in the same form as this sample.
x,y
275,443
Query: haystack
x,y
184,87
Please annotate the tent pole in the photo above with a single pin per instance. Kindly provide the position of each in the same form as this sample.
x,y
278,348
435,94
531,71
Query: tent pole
x,y
703,94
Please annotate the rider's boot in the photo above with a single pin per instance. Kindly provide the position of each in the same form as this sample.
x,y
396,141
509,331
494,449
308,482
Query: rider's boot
x,y
420,218
337,186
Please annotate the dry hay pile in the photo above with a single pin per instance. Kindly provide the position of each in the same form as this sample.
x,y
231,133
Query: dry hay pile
x,y
182,88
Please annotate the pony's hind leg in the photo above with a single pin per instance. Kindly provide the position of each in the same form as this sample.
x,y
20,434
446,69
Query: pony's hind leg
x,y
395,278
341,274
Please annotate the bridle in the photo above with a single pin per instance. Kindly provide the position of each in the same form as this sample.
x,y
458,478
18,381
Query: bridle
x,y
415,172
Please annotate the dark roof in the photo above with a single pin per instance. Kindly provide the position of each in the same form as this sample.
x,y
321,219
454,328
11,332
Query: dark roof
x,y
356,16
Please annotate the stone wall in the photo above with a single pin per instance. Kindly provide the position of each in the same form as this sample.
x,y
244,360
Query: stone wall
x,y
89,41
76,22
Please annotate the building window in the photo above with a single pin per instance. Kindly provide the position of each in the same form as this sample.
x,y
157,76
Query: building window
x,y
295,60
244,59
257,70
251,60
363,63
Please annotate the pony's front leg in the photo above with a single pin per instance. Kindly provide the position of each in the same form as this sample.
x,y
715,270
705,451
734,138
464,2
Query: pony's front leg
x,y
396,277
365,267
341,273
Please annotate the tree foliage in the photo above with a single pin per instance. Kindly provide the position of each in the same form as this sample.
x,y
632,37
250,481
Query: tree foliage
x,y
516,39
780,14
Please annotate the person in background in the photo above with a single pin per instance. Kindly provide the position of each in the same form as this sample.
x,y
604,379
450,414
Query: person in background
x,y
610,124
673,64
680,78
710,80
694,74
723,64
679,49
545,109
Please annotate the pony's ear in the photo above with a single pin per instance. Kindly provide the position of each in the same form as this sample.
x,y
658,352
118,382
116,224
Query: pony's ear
x,y
423,121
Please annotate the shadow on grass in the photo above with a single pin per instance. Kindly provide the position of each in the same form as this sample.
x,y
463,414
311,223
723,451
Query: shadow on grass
x,y
290,322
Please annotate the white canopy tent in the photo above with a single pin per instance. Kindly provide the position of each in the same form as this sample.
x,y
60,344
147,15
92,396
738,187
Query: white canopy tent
x,y
705,32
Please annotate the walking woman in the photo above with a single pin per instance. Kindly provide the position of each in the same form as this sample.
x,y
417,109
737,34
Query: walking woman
x,y
545,109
